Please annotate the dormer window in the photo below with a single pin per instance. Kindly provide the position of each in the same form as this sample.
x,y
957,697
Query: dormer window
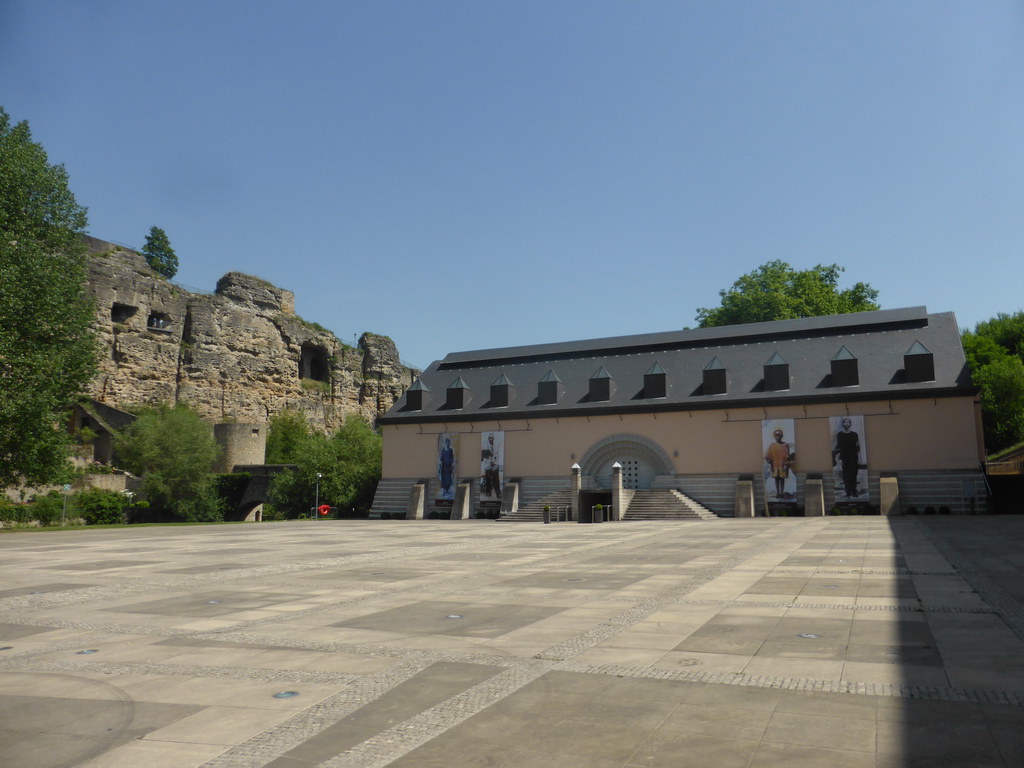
x,y
919,363
776,374
714,378
844,369
655,382
600,385
414,396
548,389
499,392
456,394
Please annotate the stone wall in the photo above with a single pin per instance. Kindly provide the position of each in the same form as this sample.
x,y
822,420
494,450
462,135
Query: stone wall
x,y
239,354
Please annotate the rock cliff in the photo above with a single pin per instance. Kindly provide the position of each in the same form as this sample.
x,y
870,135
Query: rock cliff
x,y
239,354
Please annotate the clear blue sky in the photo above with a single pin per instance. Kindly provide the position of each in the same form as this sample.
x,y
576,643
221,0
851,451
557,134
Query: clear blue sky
x,y
464,175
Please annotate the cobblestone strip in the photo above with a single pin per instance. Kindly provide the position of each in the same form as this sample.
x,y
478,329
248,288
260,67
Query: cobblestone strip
x,y
1011,698
389,745
916,608
79,643
800,570
111,629
380,651
260,674
276,741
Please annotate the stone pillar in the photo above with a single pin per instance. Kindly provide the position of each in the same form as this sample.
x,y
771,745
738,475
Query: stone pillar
x,y
575,483
889,495
814,497
618,499
510,498
417,502
460,509
744,497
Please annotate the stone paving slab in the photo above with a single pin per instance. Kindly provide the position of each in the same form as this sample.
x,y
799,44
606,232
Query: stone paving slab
x,y
819,642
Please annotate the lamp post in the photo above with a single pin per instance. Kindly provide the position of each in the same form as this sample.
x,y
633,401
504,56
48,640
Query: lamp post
x,y
316,505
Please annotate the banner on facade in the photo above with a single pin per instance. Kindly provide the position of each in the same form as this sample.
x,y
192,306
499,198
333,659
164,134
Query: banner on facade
x,y
447,465
849,459
779,451
492,465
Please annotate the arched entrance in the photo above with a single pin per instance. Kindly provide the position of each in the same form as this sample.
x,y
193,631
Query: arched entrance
x,y
642,460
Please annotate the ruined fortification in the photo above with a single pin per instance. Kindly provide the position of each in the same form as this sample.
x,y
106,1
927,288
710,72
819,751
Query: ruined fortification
x,y
238,355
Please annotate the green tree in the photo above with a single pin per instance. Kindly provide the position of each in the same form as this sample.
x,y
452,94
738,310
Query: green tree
x,y
47,348
1002,402
289,431
349,462
174,451
159,254
1005,330
776,291
981,350
995,353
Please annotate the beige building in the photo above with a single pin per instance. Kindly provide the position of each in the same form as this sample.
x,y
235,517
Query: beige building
x,y
871,412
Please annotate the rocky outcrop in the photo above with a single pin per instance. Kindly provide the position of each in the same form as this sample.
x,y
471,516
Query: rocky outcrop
x,y
238,354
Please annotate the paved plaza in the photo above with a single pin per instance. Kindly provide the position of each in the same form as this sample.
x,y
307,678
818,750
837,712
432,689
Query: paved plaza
x,y
832,642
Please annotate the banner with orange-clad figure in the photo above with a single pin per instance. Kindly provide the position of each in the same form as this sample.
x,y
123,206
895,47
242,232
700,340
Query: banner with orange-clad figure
x,y
779,451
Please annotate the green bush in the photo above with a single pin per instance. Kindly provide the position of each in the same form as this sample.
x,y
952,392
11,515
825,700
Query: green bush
x,y
47,509
173,450
14,514
101,507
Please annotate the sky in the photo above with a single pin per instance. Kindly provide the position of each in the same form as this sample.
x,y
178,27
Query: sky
x,y
491,173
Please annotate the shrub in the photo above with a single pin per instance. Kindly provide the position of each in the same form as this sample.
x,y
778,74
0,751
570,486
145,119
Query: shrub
x,y
944,510
15,514
385,515
174,451
101,507
929,510
47,509
911,510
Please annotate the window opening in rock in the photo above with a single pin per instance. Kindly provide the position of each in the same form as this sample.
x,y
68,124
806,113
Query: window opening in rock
x,y
122,313
313,364
158,321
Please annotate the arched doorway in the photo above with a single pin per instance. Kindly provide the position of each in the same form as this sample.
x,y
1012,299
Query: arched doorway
x,y
642,460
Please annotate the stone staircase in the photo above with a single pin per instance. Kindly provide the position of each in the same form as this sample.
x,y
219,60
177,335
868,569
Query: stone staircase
x,y
534,511
666,504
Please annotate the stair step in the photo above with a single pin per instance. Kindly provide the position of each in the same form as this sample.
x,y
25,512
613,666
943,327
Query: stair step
x,y
666,504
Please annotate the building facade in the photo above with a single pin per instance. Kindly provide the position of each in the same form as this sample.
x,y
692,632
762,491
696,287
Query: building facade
x,y
867,412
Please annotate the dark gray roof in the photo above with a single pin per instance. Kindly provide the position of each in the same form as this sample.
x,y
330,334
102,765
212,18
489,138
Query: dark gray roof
x,y
877,340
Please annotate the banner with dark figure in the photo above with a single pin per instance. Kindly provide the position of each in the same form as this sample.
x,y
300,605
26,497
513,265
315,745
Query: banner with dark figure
x,y
492,465
447,465
849,459
779,452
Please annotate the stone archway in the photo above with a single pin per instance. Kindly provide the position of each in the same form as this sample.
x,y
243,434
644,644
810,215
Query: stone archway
x,y
642,460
